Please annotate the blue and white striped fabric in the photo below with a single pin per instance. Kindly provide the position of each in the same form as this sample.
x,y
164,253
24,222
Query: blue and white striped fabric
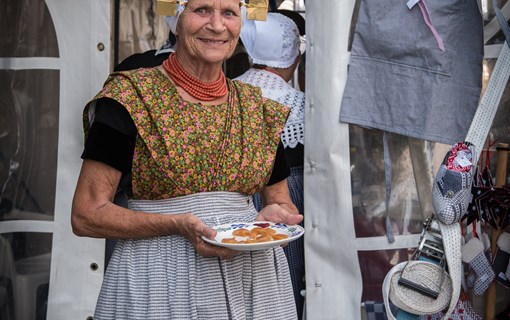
x,y
164,278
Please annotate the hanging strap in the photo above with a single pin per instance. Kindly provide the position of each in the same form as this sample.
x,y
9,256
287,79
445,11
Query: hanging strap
x,y
387,178
451,235
489,103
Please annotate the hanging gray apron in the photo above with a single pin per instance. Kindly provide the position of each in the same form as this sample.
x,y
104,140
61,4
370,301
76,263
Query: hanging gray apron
x,y
399,78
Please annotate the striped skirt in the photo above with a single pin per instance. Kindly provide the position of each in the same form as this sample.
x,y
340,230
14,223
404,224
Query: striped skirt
x,y
164,278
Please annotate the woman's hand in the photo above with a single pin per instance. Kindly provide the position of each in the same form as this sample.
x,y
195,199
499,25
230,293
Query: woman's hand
x,y
192,228
278,206
279,214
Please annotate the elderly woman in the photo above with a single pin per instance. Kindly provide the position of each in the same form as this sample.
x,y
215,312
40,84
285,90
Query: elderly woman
x,y
189,148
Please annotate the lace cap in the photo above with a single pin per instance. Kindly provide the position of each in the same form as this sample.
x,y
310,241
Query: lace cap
x,y
274,42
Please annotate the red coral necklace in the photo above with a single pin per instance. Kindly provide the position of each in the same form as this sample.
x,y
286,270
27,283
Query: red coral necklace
x,y
194,86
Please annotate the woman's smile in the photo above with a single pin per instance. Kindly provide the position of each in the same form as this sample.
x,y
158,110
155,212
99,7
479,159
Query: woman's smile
x,y
212,41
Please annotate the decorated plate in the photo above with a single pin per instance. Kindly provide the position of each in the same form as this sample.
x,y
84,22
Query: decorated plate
x,y
257,235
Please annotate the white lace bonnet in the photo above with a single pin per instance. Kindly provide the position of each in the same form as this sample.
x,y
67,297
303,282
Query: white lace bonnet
x,y
274,42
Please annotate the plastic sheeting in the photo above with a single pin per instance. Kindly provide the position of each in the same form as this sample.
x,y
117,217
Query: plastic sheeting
x,y
29,109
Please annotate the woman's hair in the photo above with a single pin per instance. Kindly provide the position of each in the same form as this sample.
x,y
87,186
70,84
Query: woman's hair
x,y
302,63
298,19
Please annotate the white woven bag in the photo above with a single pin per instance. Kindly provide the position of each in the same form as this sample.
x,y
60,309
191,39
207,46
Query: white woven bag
x,y
426,274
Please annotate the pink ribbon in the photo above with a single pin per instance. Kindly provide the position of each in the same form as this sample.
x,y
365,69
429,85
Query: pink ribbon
x,y
426,17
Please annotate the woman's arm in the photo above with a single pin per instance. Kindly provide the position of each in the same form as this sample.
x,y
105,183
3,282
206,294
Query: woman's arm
x,y
278,206
95,215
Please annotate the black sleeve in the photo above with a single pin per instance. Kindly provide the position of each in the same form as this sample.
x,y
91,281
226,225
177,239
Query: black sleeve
x,y
111,137
280,170
113,114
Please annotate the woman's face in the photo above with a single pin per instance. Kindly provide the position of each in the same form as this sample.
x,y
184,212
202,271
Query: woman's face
x,y
208,30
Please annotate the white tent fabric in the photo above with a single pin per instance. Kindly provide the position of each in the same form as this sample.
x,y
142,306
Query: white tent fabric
x,y
333,277
84,66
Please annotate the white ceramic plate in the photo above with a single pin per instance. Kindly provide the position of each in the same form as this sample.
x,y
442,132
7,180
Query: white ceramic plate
x,y
225,231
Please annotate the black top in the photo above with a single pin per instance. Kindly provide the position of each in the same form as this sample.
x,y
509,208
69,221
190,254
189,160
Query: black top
x,y
295,156
146,59
112,136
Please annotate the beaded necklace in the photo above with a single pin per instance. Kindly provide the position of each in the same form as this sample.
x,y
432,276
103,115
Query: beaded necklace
x,y
194,86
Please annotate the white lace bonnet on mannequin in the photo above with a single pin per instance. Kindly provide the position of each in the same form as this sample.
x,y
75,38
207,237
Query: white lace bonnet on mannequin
x,y
274,42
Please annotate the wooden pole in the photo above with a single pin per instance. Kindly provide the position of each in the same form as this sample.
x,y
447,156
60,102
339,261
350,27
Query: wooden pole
x,y
501,164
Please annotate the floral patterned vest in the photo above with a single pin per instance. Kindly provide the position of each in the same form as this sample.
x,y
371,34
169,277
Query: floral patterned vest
x,y
183,147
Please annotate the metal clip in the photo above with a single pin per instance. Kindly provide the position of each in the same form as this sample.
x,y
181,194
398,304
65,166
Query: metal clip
x,y
429,249
431,243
